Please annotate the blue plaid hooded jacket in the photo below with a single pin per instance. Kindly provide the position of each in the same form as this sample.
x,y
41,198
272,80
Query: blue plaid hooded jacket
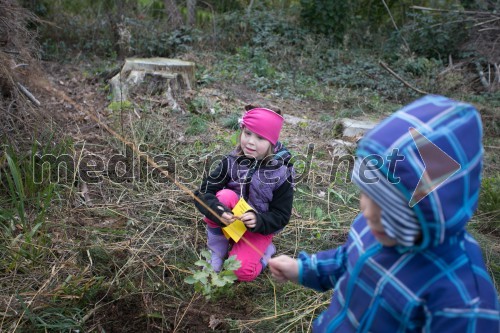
x,y
438,284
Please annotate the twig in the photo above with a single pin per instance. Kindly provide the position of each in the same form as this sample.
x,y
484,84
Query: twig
x,y
182,317
137,114
396,26
20,65
451,10
249,8
452,67
486,22
28,94
140,154
159,101
10,105
384,65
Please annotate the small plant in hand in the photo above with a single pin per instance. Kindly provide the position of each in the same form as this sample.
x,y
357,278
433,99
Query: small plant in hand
x,y
209,282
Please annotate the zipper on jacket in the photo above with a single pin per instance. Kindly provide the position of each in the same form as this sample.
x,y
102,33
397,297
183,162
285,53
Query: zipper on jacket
x,y
248,178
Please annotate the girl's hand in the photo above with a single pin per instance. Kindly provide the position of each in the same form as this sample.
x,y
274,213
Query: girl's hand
x,y
284,268
249,219
227,218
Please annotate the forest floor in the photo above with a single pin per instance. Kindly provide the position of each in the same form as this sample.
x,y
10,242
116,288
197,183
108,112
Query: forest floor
x,y
115,253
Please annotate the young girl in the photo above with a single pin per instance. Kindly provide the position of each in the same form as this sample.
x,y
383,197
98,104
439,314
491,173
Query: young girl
x,y
259,170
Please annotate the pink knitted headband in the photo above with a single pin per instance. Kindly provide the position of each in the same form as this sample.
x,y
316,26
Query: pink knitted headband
x,y
264,122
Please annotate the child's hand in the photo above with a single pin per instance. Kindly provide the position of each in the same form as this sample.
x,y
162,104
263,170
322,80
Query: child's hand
x,y
284,268
249,219
227,218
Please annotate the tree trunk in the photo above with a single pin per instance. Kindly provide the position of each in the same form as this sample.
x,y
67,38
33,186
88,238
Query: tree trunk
x,y
174,17
191,12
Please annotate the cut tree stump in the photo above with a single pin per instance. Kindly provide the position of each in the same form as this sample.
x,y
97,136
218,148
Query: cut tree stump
x,y
160,79
356,128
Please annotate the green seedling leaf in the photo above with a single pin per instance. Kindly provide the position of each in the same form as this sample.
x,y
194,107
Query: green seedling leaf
x,y
206,290
232,264
226,273
155,315
198,287
202,263
201,276
230,278
190,280
206,254
217,281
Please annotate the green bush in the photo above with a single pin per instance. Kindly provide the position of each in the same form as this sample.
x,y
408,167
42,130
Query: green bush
x,y
327,17
435,35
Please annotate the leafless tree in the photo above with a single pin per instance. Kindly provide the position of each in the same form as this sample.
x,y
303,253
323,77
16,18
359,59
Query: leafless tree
x,y
173,14
191,12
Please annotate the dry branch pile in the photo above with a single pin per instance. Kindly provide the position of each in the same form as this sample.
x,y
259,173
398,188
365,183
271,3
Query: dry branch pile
x,y
19,68
485,36
484,42
485,39
18,47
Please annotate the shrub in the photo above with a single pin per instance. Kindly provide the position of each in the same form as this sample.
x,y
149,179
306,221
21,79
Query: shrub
x,y
209,282
327,16
434,35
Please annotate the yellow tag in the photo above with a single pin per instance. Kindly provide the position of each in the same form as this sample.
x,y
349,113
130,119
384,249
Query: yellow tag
x,y
236,229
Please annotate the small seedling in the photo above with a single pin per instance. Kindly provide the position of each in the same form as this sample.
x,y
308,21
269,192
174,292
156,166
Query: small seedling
x,y
209,282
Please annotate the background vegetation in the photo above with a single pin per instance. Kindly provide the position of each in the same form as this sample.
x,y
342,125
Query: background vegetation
x,y
114,256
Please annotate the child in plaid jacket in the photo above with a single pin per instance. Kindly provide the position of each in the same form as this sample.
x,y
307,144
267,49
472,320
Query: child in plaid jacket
x,y
409,264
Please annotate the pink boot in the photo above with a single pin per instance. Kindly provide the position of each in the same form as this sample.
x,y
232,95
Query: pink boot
x,y
217,244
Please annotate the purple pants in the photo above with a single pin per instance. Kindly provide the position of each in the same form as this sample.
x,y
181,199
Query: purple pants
x,y
251,264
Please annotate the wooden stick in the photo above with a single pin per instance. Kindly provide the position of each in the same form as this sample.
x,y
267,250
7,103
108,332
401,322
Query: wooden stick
x,y
28,94
384,65
452,10
19,65
139,153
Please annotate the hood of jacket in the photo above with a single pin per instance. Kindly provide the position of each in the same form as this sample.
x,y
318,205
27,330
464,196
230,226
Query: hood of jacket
x,y
438,169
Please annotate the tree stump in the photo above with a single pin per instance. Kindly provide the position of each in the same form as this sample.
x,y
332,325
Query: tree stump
x,y
159,79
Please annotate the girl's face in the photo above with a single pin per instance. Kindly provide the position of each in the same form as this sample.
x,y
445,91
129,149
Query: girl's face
x,y
253,145
373,215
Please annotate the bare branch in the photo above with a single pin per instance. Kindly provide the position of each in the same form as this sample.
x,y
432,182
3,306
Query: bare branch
x,y
384,65
27,93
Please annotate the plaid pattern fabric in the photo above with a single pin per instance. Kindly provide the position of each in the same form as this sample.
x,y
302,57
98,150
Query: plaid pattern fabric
x,y
439,284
